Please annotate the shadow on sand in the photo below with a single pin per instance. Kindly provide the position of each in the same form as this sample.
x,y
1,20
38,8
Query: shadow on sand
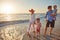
x,y
47,37
52,36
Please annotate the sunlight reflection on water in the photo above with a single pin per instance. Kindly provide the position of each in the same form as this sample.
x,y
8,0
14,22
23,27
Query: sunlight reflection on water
x,y
8,17
12,17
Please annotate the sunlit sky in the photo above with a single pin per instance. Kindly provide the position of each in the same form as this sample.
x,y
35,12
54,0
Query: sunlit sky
x,y
22,6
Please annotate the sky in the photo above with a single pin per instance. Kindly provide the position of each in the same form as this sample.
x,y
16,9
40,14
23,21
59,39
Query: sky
x,y
22,6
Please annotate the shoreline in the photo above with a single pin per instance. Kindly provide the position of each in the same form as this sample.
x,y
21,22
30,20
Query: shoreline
x,y
17,27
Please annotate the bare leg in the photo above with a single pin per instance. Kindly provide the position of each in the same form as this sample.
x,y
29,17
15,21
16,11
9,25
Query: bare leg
x,y
38,34
51,30
33,28
45,31
34,33
28,30
29,26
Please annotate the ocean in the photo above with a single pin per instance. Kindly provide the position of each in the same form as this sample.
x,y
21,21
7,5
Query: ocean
x,y
22,17
13,17
13,26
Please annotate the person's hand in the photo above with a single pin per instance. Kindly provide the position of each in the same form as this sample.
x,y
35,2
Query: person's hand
x,y
45,17
55,14
28,33
32,11
46,20
33,31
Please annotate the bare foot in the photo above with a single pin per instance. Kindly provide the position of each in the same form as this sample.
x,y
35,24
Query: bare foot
x,y
50,34
44,35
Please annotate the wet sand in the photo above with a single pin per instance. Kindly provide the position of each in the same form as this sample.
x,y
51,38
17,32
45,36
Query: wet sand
x,y
54,36
17,31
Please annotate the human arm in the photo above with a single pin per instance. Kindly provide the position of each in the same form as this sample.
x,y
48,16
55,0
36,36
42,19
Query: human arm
x,y
46,16
40,24
56,12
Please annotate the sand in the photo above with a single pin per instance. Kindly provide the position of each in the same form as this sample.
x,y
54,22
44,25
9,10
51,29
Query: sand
x,y
18,31
54,36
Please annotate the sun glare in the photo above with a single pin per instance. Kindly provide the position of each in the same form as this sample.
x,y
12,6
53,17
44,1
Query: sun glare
x,y
7,8
8,18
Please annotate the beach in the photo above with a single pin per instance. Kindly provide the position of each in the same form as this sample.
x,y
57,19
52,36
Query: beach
x,y
16,29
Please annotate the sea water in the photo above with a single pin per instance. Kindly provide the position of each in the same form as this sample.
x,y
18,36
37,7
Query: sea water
x,y
15,27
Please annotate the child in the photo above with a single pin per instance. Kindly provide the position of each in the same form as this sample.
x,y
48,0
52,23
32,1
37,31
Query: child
x,y
37,26
49,19
55,11
31,24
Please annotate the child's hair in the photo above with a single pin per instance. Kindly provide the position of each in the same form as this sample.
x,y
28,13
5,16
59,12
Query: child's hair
x,y
55,6
37,18
49,7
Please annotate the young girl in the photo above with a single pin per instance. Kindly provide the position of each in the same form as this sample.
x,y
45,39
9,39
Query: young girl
x,y
31,23
37,26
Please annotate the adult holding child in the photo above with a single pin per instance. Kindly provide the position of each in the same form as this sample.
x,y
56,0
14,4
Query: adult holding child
x,y
50,18
54,12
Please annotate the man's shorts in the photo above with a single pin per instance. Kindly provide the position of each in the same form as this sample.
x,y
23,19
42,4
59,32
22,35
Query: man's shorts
x,y
51,24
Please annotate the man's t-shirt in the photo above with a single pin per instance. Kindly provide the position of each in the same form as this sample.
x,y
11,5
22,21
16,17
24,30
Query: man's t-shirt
x,y
48,16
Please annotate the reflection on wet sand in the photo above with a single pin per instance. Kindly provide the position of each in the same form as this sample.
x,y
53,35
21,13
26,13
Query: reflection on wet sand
x,y
12,32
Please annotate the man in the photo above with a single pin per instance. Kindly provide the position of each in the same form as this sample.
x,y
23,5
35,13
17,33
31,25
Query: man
x,y
49,19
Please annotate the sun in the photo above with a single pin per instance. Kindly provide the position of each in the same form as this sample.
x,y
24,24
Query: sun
x,y
7,9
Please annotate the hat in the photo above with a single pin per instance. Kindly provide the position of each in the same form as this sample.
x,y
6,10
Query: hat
x,y
32,10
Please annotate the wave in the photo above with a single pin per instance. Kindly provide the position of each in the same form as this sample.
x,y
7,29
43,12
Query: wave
x,y
4,23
